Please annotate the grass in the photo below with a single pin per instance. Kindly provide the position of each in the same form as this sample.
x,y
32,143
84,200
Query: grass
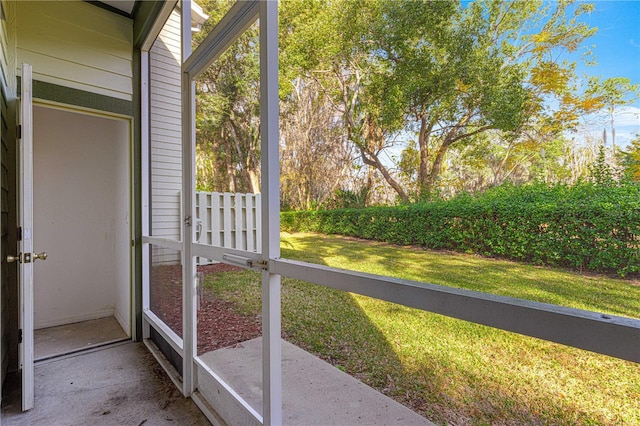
x,y
448,370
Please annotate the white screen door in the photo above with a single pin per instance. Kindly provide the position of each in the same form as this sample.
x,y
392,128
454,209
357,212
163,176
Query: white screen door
x,y
25,245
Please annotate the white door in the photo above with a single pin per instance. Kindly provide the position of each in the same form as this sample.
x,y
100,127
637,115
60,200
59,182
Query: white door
x,y
25,201
26,257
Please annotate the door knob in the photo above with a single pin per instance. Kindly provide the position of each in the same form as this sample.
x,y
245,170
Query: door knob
x,y
41,256
11,259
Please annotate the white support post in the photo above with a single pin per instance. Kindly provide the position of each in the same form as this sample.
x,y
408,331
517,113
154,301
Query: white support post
x,y
269,121
189,294
146,213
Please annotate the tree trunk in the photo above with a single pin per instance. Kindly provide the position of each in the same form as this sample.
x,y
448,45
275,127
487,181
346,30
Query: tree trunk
x,y
451,137
423,146
254,181
371,159
231,178
436,167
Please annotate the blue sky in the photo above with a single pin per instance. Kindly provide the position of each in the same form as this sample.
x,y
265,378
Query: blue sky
x,y
616,48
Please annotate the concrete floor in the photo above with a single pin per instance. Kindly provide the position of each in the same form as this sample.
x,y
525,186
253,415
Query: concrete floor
x,y
119,385
123,384
314,391
55,341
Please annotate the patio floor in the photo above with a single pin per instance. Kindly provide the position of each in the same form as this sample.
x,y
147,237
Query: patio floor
x,y
123,384
63,339
119,385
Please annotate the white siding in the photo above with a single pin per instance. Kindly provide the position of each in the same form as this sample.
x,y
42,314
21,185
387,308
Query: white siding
x,y
8,47
165,133
76,44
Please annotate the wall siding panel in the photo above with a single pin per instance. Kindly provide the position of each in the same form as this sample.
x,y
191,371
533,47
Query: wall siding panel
x,y
7,123
78,45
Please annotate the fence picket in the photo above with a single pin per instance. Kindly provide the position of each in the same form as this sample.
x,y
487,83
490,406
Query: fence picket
x,y
250,224
258,222
216,227
239,222
227,224
228,220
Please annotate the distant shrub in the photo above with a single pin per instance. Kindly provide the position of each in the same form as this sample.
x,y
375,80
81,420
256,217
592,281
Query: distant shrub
x,y
585,227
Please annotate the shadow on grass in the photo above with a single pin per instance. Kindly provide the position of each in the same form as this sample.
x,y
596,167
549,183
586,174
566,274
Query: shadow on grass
x,y
452,371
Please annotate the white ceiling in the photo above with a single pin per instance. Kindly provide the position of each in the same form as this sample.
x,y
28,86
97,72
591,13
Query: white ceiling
x,y
124,5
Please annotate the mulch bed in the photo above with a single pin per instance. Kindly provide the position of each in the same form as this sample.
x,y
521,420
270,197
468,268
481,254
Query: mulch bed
x,y
218,325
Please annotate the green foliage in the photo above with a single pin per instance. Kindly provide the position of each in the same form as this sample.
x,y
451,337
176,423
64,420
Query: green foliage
x,y
585,227
601,172
631,160
347,199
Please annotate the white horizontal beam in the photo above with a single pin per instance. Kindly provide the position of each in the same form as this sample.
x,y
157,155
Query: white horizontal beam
x,y
218,253
163,242
240,17
227,388
165,331
606,334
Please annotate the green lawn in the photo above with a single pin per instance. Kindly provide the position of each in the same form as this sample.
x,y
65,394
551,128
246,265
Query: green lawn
x,y
450,370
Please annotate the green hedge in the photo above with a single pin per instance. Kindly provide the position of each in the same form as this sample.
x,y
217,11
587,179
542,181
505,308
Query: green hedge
x,y
585,227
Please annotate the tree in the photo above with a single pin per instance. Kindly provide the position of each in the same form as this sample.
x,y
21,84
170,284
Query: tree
x,y
445,71
314,160
632,160
480,89
228,114
334,50
491,68
608,96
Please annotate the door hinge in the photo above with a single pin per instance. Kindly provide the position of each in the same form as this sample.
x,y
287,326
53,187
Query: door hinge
x,y
19,131
20,233
20,336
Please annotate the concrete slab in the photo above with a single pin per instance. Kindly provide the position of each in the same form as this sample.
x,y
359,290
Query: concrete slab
x,y
54,341
314,391
121,385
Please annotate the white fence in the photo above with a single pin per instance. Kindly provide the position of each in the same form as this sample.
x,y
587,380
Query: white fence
x,y
228,220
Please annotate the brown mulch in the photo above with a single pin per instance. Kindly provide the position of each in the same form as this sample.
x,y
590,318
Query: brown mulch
x,y
218,325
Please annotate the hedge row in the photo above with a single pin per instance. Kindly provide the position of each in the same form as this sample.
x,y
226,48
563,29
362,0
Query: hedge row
x,y
585,227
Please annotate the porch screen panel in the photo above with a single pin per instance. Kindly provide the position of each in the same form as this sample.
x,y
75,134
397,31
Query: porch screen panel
x,y
228,165
165,297
165,178
228,215
165,132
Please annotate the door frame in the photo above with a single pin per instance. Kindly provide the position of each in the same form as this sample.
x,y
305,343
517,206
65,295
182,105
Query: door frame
x,y
82,111
26,102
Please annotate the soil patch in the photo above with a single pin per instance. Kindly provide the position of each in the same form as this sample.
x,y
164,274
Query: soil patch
x,y
218,325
